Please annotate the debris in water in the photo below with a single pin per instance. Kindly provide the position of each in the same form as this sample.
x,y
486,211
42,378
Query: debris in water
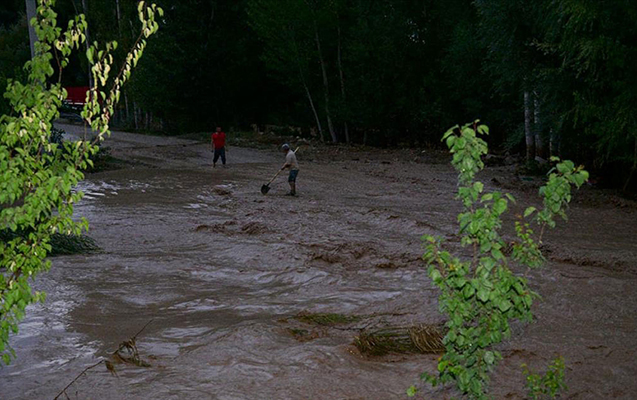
x,y
222,190
327,319
422,338
254,228
130,346
128,352
302,335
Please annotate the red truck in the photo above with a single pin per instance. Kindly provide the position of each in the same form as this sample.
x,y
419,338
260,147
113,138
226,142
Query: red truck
x,y
76,95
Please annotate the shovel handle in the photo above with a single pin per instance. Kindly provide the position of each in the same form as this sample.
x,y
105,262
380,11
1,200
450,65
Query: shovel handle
x,y
274,177
277,174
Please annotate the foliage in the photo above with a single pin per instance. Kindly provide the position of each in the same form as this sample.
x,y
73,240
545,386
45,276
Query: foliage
x,y
549,385
38,176
396,72
595,45
481,295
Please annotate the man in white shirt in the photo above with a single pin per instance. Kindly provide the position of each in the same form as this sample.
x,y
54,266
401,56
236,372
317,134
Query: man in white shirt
x,y
292,165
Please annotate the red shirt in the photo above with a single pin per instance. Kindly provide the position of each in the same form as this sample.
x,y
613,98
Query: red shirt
x,y
219,139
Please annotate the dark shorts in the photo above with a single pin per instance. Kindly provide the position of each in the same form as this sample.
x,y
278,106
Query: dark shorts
x,y
293,174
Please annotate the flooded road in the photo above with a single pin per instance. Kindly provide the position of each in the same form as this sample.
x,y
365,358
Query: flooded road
x,y
222,271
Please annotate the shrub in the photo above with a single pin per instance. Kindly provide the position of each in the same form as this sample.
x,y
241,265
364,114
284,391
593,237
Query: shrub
x,y
480,294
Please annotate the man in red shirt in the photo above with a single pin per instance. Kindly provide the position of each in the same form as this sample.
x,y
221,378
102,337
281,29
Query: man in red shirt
x,y
218,145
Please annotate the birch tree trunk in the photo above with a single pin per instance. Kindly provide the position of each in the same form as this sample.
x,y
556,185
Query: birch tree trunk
x,y
119,19
135,115
528,127
553,143
32,36
538,126
316,117
306,88
633,169
127,108
88,41
326,88
340,73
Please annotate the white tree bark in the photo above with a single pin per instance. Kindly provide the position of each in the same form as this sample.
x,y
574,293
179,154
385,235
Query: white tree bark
x,y
326,88
88,41
340,73
538,126
306,88
633,169
31,14
119,19
316,117
528,127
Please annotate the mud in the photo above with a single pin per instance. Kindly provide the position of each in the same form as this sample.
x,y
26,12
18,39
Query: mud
x,y
223,271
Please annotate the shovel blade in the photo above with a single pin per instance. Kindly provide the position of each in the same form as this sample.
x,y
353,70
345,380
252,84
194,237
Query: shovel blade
x,y
265,189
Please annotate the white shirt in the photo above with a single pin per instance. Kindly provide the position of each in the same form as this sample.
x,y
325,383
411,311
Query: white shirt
x,y
290,159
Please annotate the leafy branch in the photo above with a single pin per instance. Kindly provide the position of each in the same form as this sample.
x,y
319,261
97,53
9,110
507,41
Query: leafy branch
x,y
482,295
37,178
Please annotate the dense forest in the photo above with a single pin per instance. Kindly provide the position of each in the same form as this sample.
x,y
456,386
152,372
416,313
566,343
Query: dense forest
x,y
551,77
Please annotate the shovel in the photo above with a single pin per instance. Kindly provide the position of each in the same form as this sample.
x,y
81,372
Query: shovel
x,y
266,188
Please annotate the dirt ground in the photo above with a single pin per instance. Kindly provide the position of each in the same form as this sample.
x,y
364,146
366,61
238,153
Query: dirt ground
x,y
222,270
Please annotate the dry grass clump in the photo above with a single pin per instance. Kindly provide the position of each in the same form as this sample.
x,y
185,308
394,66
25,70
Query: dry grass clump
x,y
423,338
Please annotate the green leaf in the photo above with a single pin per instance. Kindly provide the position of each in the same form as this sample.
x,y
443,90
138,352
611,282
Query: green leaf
x,y
500,206
450,141
435,275
504,305
529,211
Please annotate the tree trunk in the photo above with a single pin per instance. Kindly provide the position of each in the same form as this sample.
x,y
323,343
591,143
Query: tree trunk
x,y
119,19
135,115
32,36
87,42
127,108
554,142
340,73
633,169
326,88
538,126
528,131
307,90
316,117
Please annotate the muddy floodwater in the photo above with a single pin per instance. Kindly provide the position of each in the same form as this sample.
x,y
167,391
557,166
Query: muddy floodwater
x,y
222,271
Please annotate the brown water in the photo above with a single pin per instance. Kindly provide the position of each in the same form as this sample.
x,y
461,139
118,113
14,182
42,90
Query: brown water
x,y
222,270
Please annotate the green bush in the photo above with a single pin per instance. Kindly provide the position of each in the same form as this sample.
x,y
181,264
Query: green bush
x,y
549,385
